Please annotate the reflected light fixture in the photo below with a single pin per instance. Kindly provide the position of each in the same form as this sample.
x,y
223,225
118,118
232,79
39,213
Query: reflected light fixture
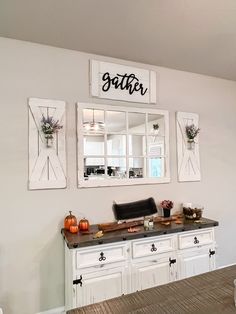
x,y
93,126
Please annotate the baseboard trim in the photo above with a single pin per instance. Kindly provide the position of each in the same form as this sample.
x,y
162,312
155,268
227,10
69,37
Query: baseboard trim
x,y
58,310
226,266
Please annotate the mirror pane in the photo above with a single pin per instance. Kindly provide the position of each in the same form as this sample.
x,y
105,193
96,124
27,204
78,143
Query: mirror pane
x,y
116,145
155,146
137,145
156,167
136,122
136,168
93,121
94,168
94,145
115,121
116,168
156,123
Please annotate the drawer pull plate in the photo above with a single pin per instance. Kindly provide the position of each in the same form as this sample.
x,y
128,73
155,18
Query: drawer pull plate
x,y
172,261
102,257
153,248
196,241
211,252
78,281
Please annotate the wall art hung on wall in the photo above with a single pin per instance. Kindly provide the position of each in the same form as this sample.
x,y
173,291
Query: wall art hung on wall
x,y
47,152
120,82
188,146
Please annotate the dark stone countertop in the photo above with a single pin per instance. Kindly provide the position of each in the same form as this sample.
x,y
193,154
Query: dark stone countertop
x,y
83,240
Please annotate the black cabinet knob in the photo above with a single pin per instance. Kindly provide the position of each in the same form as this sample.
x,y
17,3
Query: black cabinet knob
x,y
196,241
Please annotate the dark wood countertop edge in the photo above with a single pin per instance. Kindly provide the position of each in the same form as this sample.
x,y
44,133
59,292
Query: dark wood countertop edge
x,y
141,235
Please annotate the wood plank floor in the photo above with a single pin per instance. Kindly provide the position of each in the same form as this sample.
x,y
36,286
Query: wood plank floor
x,y
210,293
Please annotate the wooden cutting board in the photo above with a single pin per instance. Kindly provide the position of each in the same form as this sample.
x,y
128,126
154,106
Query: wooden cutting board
x,y
112,226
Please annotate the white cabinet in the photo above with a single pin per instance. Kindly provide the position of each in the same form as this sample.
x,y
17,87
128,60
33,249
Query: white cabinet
x,y
101,272
101,285
158,271
196,254
196,261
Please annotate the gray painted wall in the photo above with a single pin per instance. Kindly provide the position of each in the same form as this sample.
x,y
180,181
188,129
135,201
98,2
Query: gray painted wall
x,y
31,247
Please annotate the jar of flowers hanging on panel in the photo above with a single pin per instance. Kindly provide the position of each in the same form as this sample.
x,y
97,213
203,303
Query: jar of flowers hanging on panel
x,y
49,128
191,133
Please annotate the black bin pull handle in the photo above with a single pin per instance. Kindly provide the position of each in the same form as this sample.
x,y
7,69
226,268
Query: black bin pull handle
x,y
196,241
102,257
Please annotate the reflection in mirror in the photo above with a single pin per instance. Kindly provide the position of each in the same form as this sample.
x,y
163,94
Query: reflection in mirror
x,y
123,143
136,122
94,145
156,167
94,168
156,145
116,145
116,168
115,121
137,145
156,124
93,121
136,168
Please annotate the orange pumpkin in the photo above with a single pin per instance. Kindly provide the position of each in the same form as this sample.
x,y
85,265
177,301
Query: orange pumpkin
x,y
84,225
74,228
69,221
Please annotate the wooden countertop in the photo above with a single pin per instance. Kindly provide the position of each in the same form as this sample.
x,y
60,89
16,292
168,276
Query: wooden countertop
x,y
212,292
84,240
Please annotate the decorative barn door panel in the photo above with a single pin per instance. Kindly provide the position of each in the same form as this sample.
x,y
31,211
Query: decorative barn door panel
x,y
120,82
47,153
188,155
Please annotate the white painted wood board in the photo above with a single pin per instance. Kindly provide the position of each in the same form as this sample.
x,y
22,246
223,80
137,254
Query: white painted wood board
x,y
188,160
141,76
47,165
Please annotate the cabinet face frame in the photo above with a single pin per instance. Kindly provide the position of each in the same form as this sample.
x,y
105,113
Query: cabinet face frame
x,y
129,268
146,157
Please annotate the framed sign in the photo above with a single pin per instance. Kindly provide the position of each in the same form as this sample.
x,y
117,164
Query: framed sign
x,y
120,82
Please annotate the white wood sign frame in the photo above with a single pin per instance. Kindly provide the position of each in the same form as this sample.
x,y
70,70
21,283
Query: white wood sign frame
x,y
130,83
117,182
47,165
188,160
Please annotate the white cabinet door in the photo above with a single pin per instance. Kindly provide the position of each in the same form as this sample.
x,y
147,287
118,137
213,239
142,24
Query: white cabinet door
x,y
195,262
153,273
101,285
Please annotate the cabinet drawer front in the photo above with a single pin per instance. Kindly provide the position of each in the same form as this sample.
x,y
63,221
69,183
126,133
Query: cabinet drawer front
x,y
100,255
152,246
195,239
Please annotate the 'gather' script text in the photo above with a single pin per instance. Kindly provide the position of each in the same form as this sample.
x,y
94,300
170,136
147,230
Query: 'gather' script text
x,y
124,82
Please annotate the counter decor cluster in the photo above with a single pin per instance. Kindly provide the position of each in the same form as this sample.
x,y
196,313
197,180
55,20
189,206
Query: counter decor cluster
x,y
136,253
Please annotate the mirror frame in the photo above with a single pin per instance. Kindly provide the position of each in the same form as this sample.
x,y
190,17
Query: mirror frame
x,y
118,182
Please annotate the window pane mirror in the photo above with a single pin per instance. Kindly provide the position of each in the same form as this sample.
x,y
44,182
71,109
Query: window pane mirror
x,y
122,145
